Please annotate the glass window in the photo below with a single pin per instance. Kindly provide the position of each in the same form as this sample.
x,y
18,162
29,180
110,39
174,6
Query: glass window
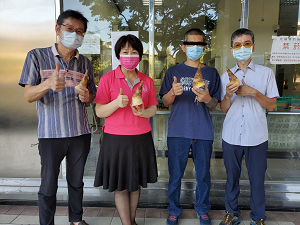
x,y
218,19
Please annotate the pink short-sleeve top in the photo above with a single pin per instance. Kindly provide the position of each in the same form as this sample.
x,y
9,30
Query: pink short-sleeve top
x,y
123,121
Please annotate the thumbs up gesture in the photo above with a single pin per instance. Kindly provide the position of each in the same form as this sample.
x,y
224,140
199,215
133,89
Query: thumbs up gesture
x,y
176,87
122,99
56,82
246,90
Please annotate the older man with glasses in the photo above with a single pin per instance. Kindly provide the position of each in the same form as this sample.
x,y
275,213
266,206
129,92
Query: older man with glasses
x,y
49,76
245,131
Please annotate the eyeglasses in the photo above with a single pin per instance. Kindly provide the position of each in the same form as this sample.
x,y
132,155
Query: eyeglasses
x,y
246,44
71,29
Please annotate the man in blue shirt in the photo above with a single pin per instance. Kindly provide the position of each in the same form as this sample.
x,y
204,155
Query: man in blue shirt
x,y
245,130
190,124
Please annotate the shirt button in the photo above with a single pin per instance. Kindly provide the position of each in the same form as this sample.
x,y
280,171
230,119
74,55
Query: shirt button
x,y
243,115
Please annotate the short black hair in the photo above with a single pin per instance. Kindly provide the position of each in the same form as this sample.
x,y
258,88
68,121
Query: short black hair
x,y
240,32
133,41
194,31
72,14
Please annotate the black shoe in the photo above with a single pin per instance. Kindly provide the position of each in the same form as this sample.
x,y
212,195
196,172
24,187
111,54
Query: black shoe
x,y
80,223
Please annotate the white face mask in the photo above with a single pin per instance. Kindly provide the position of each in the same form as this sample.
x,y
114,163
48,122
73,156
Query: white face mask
x,y
71,40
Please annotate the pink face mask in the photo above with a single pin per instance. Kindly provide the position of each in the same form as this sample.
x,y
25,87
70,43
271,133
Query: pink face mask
x,y
129,62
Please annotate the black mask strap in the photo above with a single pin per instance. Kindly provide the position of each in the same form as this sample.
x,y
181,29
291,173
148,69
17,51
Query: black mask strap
x,y
194,43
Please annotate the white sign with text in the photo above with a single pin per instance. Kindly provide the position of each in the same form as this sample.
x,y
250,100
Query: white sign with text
x,y
285,50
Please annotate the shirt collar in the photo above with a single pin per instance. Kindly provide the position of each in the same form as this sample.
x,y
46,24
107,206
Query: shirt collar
x,y
251,66
119,74
55,52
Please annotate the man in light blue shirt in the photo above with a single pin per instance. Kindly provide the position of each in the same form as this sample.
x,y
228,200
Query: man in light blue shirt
x,y
245,130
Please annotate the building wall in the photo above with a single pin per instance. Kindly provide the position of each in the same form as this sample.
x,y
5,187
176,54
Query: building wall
x,y
26,24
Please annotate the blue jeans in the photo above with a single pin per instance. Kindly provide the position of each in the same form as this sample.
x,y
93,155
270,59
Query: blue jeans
x,y
178,152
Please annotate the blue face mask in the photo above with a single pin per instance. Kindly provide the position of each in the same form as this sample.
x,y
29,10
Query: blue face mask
x,y
194,52
71,40
243,54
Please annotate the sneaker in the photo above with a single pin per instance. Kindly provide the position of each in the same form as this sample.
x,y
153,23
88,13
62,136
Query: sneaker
x,y
230,219
172,220
204,219
257,222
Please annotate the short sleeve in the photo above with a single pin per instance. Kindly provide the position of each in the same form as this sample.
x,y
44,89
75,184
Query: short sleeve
x,y
272,89
91,82
103,92
224,82
31,71
216,89
166,84
152,97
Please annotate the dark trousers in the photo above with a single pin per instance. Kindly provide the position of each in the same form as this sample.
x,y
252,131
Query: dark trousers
x,y
256,162
52,151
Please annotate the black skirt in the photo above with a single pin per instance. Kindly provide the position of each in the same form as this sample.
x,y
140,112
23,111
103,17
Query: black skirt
x,y
125,162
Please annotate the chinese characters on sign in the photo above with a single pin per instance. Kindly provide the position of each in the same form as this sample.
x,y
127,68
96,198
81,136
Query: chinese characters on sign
x,y
285,50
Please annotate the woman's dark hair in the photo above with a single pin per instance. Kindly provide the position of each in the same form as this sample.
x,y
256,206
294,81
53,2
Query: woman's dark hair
x,y
72,14
240,32
133,41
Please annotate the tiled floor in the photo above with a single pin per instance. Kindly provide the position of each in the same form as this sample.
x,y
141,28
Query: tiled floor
x,y
20,214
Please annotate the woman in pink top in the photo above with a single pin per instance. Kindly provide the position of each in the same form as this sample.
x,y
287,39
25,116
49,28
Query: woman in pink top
x,y
127,157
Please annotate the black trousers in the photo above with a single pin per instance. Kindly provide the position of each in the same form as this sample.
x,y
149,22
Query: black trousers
x,y
52,151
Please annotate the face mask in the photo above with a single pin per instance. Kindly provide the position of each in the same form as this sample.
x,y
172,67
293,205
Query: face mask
x,y
194,52
243,54
129,62
71,40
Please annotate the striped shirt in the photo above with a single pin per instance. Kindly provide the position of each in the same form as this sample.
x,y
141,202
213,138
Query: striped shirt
x,y
60,114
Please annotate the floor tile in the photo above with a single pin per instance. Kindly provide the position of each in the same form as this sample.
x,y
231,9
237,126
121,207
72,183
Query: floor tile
x,y
116,221
216,214
25,219
98,220
285,223
31,210
164,213
61,220
140,221
107,212
5,208
279,217
186,214
92,211
245,214
295,217
140,213
154,221
152,213
188,222
16,210
61,211
7,218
